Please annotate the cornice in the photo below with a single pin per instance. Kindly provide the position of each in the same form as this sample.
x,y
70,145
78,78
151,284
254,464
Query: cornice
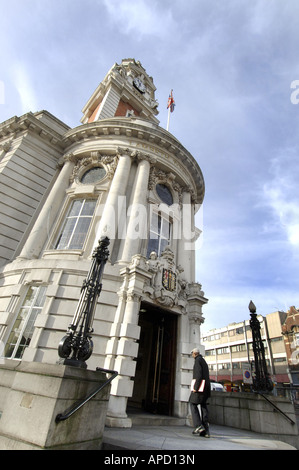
x,y
30,123
149,137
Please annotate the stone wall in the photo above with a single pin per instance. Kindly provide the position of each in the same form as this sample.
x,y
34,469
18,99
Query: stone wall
x,y
252,412
33,394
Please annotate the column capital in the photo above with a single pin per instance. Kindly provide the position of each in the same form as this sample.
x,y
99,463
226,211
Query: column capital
x,y
123,152
68,157
141,156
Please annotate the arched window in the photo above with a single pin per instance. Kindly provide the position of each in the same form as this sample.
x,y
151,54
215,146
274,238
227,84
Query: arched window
x,y
93,175
164,194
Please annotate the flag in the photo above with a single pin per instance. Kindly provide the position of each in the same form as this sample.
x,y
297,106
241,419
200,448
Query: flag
x,y
171,103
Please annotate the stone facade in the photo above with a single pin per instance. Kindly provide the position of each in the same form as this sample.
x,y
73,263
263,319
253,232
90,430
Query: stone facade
x,y
290,331
121,175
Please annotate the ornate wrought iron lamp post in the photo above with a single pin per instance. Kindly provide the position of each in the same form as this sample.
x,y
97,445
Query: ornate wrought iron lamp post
x,y
77,346
261,381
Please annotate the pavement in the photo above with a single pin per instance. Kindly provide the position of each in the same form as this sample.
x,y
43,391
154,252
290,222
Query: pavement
x,y
179,437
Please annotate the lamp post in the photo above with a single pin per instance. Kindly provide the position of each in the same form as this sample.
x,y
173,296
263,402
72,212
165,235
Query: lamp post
x,y
261,381
77,346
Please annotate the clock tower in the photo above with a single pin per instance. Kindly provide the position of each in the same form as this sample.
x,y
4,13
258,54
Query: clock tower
x,y
126,91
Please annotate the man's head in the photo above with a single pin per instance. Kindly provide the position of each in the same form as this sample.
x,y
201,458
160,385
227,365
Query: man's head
x,y
195,352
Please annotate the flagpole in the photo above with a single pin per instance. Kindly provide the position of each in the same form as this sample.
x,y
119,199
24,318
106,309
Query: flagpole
x,y
168,119
171,105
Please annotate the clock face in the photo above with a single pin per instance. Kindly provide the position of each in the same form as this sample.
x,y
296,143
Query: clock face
x,y
139,85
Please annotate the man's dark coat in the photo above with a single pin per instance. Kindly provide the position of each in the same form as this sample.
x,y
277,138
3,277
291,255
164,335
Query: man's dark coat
x,y
200,372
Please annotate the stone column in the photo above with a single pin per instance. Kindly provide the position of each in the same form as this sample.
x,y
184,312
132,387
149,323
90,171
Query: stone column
x,y
115,202
137,211
40,232
122,348
184,243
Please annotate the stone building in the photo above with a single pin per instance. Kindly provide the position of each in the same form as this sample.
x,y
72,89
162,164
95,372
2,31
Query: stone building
x,y
290,331
121,175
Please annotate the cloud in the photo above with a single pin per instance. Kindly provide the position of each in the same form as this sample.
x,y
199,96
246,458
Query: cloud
x,y
23,83
281,197
140,18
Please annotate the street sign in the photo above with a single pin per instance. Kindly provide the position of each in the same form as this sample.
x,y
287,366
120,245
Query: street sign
x,y
247,375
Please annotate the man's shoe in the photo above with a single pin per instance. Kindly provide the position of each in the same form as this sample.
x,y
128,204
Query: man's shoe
x,y
198,430
206,432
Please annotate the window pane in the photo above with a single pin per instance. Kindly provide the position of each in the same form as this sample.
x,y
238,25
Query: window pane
x,y
93,175
76,225
66,234
88,208
160,234
40,297
75,208
80,233
153,245
165,229
163,245
23,327
154,222
164,194
30,295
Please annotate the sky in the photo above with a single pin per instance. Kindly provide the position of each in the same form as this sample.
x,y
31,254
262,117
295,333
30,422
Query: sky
x,y
234,70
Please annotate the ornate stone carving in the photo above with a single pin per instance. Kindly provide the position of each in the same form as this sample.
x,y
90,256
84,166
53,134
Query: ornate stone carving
x,y
109,162
158,176
164,286
143,156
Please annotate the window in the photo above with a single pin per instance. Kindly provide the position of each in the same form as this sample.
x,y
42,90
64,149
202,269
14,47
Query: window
x,y
76,225
210,352
164,194
22,330
236,365
160,234
239,347
93,175
223,350
224,365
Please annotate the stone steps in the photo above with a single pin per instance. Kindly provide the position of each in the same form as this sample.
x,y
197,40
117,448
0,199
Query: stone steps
x,y
141,418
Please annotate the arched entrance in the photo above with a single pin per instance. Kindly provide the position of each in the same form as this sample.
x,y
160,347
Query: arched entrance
x,y
156,362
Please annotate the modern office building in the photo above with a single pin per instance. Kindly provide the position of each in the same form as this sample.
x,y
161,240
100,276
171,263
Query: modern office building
x,y
228,351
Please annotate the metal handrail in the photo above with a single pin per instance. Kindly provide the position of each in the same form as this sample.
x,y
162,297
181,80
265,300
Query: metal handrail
x,y
70,411
276,408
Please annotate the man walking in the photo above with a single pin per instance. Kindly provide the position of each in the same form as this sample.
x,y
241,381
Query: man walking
x,y
200,392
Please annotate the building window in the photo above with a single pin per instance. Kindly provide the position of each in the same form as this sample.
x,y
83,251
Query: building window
x,y
223,350
93,175
160,233
76,225
164,194
239,347
224,366
22,330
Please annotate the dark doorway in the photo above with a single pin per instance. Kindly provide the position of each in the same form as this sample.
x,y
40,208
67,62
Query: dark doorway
x,y
156,362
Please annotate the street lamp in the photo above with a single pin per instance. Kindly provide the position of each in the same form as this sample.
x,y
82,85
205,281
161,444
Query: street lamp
x,y
77,346
261,381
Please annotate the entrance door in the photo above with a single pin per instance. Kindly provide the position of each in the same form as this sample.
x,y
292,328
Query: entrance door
x,y
155,369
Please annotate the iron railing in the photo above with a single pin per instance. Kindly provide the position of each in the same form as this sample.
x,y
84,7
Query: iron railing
x,y
71,410
276,408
